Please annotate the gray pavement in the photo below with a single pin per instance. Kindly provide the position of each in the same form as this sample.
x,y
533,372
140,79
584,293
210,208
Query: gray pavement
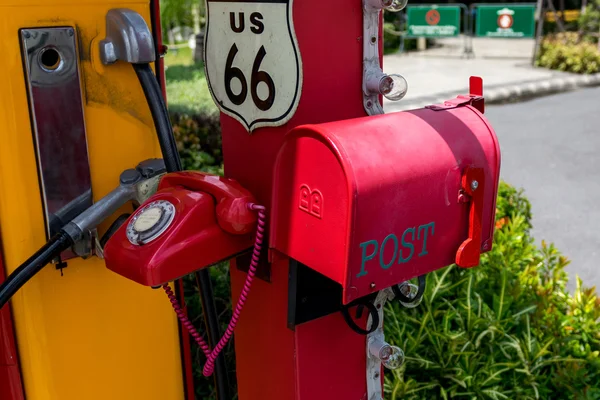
x,y
505,65
551,148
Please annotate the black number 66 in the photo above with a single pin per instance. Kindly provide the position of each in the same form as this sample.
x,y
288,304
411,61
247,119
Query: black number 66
x,y
257,77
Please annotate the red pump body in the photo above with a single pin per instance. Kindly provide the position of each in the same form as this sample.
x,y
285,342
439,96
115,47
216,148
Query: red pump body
x,y
371,202
211,223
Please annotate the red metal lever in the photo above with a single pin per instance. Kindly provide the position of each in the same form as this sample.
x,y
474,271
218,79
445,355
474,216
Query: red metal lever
x,y
470,250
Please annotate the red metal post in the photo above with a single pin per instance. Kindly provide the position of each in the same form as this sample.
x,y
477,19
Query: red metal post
x,y
321,359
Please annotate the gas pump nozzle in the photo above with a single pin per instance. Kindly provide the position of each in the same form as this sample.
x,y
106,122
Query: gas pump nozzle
x,y
136,184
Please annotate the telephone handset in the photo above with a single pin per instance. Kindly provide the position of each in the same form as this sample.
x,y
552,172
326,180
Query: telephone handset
x,y
232,199
194,220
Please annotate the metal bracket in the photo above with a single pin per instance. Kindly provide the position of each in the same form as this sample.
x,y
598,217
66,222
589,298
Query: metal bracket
x,y
374,366
128,38
375,82
371,66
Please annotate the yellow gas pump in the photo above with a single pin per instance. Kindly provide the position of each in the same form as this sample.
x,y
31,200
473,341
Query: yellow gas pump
x,y
69,127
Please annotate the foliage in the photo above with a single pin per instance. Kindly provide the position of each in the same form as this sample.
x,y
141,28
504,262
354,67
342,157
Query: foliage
x,y
394,24
507,329
199,141
567,52
176,13
187,89
180,57
391,38
589,21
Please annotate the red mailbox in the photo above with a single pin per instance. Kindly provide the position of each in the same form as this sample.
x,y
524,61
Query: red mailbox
x,y
371,202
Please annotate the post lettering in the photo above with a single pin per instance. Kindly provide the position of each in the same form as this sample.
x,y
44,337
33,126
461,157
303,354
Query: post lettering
x,y
407,245
366,257
404,247
382,263
425,229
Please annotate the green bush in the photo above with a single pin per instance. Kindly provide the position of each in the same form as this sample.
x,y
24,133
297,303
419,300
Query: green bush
x,y
589,21
566,52
507,329
199,141
187,89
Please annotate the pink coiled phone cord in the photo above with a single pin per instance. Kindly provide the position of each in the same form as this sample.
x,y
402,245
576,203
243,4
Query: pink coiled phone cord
x,y
211,356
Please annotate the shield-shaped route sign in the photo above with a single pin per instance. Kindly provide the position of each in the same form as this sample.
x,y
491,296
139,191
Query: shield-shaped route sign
x,y
252,62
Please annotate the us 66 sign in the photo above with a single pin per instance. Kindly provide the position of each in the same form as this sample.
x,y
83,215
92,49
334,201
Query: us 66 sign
x,y
252,62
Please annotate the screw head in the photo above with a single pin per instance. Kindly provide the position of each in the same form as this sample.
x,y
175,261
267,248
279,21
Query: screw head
x,y
369,104
372,285
474,185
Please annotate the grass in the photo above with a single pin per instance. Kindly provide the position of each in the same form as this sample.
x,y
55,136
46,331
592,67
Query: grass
x,y
187,90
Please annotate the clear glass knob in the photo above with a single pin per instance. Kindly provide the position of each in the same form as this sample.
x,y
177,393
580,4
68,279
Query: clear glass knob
x,y
394,5
393,87
392,357
410,290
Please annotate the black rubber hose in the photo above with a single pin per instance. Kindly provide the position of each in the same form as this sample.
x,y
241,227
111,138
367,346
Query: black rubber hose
x,y
168,146
56,245
114,227
160,116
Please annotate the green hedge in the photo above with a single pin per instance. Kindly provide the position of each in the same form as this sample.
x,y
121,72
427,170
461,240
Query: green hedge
x,y
570,53
198,139
507,329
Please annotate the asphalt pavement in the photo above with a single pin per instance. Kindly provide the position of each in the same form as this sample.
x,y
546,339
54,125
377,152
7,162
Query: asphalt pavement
x,y
551,148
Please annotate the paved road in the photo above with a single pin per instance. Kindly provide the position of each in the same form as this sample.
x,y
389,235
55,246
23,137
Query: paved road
x,y
551,148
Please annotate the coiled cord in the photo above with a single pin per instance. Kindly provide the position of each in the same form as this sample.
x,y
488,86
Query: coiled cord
x,y
211,356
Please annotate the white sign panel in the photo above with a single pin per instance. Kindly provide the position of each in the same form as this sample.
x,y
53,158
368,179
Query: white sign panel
x,y
252,62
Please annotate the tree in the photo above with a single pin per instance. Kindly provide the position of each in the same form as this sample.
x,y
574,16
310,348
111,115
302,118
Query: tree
x,y
176,13
589,22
